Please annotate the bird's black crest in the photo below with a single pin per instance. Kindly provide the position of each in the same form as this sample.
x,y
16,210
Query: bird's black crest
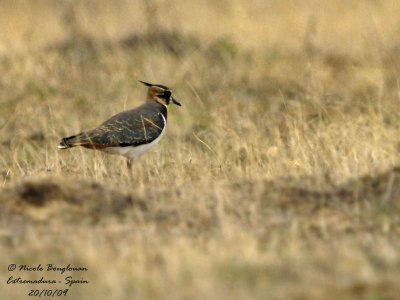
x,y
158,85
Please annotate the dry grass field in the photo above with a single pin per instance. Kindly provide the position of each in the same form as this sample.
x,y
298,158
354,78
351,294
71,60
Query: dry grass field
x,y
278,178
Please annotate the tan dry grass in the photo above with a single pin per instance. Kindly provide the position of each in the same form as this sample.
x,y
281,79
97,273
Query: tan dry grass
x,y
250,194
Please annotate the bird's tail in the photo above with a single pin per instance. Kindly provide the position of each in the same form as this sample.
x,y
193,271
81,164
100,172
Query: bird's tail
x,y
67,142
83,139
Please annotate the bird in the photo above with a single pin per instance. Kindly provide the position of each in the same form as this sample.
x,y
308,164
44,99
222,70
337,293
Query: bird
x,y
129,133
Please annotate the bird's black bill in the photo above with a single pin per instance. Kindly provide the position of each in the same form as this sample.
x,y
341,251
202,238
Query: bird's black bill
x,y
175,101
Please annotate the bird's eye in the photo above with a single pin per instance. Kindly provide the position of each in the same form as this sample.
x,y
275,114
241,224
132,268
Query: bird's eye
x,y
166,94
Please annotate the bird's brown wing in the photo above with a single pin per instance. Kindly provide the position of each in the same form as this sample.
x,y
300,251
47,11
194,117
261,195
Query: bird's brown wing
x,y
131,128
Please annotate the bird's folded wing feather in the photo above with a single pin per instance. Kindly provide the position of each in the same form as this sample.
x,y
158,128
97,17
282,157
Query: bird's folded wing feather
x,y
132,128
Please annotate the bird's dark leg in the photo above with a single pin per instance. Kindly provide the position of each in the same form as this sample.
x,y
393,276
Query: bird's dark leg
x,y
129,166
129,163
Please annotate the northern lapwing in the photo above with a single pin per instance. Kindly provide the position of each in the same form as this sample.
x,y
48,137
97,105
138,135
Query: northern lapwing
x,y
130,133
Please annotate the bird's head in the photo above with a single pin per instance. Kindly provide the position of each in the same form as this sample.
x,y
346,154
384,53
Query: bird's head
x,y
160,93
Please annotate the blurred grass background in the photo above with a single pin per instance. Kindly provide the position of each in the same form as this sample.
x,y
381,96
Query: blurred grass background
x,y
277,178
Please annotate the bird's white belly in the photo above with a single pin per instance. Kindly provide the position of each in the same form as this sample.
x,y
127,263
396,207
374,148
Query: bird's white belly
x,y
135,152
